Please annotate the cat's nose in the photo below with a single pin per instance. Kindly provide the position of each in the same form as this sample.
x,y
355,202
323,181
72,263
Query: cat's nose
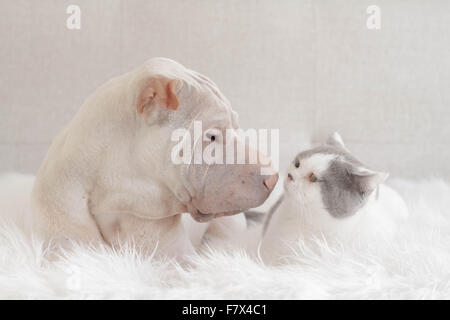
x,y
290,178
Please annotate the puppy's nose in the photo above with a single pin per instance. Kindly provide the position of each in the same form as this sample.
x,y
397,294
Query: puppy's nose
x,y
271,181
290,177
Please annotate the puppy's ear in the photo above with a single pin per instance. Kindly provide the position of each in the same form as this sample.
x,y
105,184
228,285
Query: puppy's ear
x,y
160,92
365,181
335,140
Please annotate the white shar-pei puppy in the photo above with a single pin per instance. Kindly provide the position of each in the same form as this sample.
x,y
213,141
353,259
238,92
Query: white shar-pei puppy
x,y
109,175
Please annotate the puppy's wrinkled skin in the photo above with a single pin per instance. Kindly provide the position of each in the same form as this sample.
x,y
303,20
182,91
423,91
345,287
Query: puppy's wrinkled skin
x,y
109,176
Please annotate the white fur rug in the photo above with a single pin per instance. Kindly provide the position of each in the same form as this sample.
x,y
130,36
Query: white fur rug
x,y
416,265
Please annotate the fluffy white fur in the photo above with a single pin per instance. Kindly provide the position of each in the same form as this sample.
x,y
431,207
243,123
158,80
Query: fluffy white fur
x,y
414,265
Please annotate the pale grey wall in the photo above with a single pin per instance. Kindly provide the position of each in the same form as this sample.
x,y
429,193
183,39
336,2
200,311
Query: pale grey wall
x,y
306,67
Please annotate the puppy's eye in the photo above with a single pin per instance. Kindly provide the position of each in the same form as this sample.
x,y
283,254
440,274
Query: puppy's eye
x,y
211,137
312,177
297,163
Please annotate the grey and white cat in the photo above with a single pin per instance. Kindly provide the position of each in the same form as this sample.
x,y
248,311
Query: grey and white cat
x,y
330,194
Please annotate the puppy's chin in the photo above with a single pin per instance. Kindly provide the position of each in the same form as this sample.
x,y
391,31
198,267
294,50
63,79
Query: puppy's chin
x,y
199,216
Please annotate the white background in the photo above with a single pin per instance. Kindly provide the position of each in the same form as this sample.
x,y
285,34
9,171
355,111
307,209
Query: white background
x,y
306,67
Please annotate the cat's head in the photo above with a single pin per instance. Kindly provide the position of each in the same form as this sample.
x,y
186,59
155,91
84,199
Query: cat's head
x,y
329,180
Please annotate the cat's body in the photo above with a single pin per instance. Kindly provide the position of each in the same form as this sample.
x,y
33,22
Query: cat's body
x,y
330,195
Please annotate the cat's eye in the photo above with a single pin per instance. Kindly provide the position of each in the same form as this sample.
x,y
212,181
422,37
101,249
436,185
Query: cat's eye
x,y
312,177
297,163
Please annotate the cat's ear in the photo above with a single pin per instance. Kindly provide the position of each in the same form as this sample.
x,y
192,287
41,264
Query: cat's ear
x,y
335,140
365,181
